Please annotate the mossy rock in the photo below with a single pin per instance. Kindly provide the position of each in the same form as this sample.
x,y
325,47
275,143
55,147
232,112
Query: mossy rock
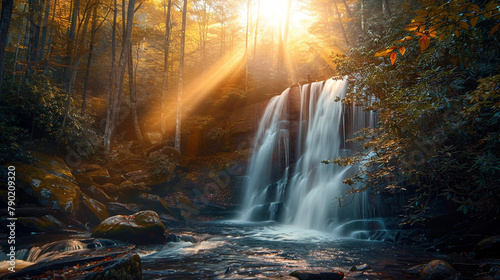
x,y
33,224
143,227
51,182
92,210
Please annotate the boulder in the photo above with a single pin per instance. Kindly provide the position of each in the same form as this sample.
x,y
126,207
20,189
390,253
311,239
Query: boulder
x,y
51,182
116,208
37,224
87,178
92,210
488,248
438,270
153,138
98,194
144,227
153,202
317,275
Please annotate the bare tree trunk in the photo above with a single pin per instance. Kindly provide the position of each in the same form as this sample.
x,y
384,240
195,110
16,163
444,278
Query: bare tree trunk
x,y
120,74
181,72
17,46
165,69
107,140
133,95
362,15
44,30
7,6
35,7
49,41
246,44
385,7
340,22
256,30
77,54
89,58
71,43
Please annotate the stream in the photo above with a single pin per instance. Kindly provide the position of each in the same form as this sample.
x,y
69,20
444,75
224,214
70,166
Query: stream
x,y
236,250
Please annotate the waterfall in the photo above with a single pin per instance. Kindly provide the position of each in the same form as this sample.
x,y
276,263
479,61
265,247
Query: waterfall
x,y
286,180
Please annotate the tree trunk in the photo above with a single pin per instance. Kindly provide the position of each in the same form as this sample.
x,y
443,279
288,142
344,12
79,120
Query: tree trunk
x,y
107,141
385,7
44,30
246,44
120,74
71,43
7,6
180,88
256,30
340,22
133,95
362,15
93,31
35,7
165,69
17,47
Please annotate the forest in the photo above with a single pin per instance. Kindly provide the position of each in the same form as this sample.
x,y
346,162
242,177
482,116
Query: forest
x,y
250,139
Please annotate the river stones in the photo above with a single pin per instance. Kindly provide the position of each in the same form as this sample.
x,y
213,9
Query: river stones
x,y
438,270
317,275
51,182
144,227
488,247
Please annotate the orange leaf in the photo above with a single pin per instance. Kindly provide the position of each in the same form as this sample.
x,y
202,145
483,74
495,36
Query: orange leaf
x,y
495,28
473,21
463,24
393,57
424,43
402,50
457,33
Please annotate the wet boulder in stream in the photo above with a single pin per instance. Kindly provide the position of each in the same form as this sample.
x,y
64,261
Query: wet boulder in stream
x,y
317,275
144,227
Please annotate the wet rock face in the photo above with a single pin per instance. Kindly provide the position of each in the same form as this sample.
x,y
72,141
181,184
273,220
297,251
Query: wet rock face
x,y
438,270
51,182
144,227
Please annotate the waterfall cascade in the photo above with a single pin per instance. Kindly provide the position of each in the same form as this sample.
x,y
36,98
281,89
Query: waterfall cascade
x,y
286,180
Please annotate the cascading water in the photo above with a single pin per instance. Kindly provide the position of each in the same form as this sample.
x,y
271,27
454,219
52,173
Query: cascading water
x,y
286,180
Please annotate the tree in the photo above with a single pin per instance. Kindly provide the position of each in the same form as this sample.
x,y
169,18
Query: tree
x,y
168,29
180,86
7,6
120,74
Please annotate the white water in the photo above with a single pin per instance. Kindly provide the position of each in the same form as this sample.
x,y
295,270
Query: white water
x,y
307,193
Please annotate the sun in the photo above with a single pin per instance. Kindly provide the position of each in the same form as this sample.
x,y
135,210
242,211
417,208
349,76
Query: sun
x,y
271,12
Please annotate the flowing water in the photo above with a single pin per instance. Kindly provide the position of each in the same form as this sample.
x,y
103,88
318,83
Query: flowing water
x,y
243,250
306,193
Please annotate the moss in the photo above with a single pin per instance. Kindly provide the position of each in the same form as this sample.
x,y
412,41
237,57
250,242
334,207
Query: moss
x,y
51,190
144,227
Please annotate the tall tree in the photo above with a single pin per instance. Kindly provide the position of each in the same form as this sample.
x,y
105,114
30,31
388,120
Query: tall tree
x,y
165,65
107,141
181,73
133,92
7,6
120,74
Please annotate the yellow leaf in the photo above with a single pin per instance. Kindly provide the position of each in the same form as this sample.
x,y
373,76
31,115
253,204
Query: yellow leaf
x,y
473,21
433,34
424,43
385,52
457,33
393,57
487,15
495,28
402,50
